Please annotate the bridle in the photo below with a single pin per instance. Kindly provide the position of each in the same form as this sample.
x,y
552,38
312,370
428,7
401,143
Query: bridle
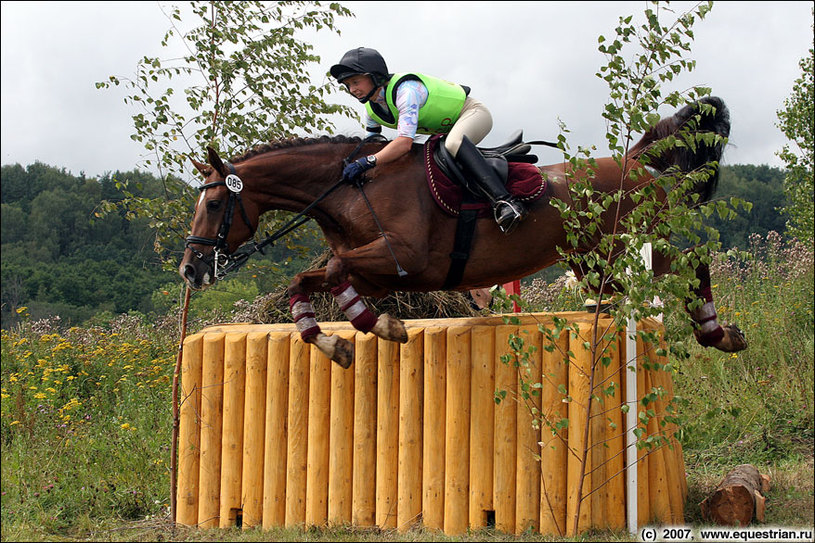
x,y
221,261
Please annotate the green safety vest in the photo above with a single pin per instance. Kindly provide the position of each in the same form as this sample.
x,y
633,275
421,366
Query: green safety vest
x,y
437,116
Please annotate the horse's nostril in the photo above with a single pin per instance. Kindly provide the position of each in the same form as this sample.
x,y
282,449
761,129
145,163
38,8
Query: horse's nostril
x,y
189,272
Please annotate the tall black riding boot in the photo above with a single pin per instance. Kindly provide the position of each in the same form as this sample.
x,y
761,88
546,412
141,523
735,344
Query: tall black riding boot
x,y
508,211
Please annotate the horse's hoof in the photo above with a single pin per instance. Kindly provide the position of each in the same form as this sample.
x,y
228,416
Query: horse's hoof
x,y
344,353
390,328
336,348
733,340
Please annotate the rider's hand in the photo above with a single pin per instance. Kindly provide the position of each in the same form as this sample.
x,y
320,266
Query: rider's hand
x,y
357,168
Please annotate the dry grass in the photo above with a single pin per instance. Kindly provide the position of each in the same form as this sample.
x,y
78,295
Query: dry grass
x,y
274,307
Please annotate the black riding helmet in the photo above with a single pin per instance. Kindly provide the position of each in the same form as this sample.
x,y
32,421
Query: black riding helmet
x,y
362,60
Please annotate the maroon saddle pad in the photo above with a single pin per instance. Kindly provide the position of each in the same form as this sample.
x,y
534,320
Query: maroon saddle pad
x,y
524,181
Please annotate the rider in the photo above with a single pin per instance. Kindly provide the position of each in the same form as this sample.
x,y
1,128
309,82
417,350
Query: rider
x,y
417,103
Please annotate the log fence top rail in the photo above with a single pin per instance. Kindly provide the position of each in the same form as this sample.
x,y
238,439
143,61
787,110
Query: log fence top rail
x,y
524,319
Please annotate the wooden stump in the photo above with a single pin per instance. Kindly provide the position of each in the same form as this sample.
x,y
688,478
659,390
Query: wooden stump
x,y
738,498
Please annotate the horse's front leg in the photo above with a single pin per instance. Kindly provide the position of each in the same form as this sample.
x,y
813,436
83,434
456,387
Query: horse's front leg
x,y
334,347
335,278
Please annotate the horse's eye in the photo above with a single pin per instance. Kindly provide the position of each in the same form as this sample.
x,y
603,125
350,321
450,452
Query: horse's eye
x,y
213,205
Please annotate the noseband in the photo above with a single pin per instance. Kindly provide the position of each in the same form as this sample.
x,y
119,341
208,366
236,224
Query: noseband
x,y
220,259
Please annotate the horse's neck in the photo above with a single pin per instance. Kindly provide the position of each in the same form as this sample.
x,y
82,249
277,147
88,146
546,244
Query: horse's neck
x,y
293,179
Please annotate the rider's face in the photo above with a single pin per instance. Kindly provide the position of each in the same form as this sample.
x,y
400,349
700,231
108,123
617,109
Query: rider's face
x,y
359,85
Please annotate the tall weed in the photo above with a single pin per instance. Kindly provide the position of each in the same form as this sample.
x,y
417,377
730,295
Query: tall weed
x,y
755,405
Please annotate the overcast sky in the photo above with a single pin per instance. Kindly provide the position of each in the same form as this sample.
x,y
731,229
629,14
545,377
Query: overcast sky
x,y
531,63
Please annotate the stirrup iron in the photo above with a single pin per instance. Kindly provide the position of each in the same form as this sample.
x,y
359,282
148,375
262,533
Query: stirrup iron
x,y
508,222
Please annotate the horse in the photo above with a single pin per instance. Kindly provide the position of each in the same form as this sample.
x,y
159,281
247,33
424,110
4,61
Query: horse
x,y
392,236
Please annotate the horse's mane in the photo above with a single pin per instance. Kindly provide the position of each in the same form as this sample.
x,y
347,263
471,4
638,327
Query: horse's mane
x,y
292,142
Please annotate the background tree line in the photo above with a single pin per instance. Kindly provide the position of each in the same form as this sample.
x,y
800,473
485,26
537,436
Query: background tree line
x,y
62,257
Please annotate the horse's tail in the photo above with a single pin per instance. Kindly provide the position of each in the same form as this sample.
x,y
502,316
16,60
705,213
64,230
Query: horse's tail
x,y
692,154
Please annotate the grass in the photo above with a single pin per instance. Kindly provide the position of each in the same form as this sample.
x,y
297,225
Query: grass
x,y
85,423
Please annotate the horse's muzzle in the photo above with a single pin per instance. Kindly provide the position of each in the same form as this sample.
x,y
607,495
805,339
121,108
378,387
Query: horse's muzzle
x,y
195,277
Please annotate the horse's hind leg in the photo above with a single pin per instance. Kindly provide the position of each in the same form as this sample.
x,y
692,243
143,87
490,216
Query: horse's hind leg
x,y
363,319
708,331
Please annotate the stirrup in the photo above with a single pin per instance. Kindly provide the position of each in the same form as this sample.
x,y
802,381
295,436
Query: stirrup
x,y
507,222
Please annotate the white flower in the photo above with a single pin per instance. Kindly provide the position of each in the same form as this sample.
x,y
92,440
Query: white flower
x,y
571,280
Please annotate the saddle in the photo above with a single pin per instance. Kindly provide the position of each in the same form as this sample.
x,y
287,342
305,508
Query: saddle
x,y
511,161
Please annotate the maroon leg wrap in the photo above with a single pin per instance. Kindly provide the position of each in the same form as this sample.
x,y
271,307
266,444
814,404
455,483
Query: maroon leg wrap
x,y
303,315
708,332
354,308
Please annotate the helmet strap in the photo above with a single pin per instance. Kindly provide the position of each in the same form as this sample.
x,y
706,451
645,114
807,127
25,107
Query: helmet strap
x,y
368,96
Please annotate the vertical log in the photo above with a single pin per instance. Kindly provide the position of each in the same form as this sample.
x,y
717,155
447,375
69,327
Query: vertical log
x,y
212,398
387,435
482,420
275,459
232,440
254,427
644,509
435,412
457,444
527,507
579,391
365,413
657,476
615,453
297,445
319,419
599,472
554,440
678,455
189,436
341,446
506,424
660,377
409,507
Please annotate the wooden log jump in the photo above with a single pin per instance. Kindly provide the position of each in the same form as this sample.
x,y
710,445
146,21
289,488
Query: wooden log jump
x,y
274,434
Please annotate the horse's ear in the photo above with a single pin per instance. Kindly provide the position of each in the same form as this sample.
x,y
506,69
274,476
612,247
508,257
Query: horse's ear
x,y
203,169
216,161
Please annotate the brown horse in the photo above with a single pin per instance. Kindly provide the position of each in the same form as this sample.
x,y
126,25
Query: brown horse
x,y
394,237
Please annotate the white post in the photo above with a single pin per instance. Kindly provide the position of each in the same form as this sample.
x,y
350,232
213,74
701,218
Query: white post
x,y
631,416
630,425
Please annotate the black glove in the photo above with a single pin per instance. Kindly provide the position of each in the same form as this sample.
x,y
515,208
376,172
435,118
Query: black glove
x,y
357,168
